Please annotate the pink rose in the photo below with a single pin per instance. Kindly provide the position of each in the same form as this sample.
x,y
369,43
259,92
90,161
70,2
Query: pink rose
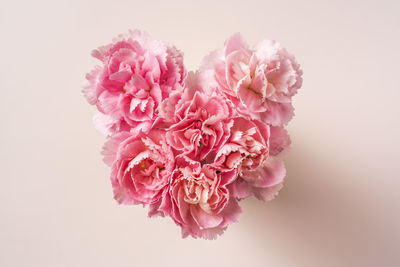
x,y
198,123
198,200
137,73
259,81
141,166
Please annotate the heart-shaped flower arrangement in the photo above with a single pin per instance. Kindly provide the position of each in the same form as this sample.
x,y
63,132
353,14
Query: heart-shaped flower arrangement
x,y
190,146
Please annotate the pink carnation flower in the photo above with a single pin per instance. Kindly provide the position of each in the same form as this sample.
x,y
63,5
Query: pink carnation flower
x,y
247,146
198,123
265,180
141,166
198,200
137,73
259,81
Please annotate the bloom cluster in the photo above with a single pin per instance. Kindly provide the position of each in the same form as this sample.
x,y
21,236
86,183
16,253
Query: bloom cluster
x,y
191,145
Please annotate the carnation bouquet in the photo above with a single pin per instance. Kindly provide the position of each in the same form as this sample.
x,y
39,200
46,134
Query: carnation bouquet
x,y
191,145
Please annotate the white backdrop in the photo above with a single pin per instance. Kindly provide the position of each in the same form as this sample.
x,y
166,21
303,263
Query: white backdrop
x,y
340,203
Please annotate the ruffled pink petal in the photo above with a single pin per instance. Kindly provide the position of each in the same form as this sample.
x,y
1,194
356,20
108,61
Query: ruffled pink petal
x,y
279,141
203,219
122,194
252,99
111,146
268,193
231,213
235,68
91,89
270,174
236,43
277,113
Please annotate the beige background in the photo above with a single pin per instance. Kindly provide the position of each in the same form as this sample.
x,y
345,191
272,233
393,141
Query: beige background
x,y
340,203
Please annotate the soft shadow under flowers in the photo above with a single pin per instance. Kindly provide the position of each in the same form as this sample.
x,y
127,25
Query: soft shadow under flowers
x,y
322,216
